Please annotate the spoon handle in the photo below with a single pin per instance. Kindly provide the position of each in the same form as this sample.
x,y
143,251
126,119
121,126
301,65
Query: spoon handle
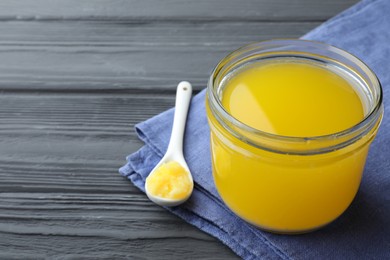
x,y
183,98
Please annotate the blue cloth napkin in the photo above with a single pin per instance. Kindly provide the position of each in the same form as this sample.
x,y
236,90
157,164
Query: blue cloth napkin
x,y
363,231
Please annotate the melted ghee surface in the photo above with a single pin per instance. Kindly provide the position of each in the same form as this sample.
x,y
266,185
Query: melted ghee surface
x,y
292,99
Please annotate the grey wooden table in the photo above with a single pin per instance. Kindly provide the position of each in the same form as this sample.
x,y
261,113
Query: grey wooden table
x,y
75,76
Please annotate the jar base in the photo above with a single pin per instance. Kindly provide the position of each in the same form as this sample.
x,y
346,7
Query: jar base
x,y
286,231
283,231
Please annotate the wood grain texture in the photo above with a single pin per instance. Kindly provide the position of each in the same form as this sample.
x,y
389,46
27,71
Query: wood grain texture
x,y
171,10
75,77
61,194
118,56
70,143
88,226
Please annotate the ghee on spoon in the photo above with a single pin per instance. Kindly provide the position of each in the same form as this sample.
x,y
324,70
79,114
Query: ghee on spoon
x,y
170,183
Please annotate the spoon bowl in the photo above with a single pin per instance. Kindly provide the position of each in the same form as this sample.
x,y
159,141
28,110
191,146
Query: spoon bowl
x,y
174,152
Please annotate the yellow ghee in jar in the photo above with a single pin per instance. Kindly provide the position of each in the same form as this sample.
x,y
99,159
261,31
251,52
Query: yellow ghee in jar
x,y
285,192
292,99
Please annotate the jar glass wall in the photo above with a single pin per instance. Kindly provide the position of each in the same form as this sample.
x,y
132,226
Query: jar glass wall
x,y
290,184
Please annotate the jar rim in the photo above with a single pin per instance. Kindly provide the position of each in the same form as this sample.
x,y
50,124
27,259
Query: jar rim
x,y
355,132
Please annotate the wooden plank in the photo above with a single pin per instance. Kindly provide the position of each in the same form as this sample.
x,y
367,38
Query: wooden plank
x,y
103,116
42,225
61,194
37,174
122,56
200,10
72,142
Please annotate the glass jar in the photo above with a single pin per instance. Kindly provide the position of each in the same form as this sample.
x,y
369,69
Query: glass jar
x,y
288,184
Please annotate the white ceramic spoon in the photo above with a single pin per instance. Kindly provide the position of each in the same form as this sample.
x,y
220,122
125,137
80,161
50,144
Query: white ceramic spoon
x,y
175,147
